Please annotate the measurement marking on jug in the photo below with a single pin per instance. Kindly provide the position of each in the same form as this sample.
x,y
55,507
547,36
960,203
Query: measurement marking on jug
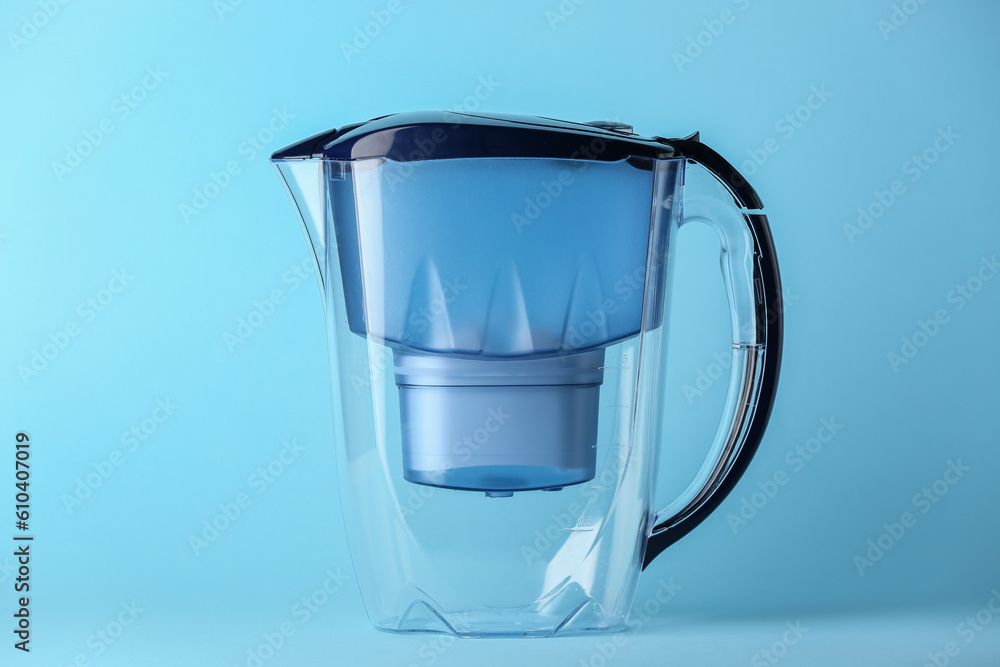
x,y
583,523
613,368
620,442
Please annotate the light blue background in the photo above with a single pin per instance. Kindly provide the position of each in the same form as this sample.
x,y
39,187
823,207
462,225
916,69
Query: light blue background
x,y
162,336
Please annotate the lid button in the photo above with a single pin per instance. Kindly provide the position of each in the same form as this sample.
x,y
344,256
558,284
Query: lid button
x,y
613,125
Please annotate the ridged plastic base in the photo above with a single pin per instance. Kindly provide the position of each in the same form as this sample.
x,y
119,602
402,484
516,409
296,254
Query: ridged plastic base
x,y
422,617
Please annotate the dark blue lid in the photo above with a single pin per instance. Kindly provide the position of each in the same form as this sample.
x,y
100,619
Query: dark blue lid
x,y
438,135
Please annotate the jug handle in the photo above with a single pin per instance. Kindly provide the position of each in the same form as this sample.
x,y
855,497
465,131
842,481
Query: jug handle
x,y
753,287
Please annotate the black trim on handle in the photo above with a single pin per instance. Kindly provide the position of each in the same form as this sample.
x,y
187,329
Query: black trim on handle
x,y
769,332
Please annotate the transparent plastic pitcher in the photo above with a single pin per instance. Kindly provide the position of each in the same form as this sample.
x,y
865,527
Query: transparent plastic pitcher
x,y
497,291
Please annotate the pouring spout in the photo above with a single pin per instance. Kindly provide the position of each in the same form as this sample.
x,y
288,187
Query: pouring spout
x,y
304,181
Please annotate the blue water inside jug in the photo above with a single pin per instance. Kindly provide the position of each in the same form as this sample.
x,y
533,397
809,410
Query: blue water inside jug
x,y
497,283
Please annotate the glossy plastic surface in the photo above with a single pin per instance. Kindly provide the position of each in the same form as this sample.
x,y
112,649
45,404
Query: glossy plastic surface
x,y
496,429
417,136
